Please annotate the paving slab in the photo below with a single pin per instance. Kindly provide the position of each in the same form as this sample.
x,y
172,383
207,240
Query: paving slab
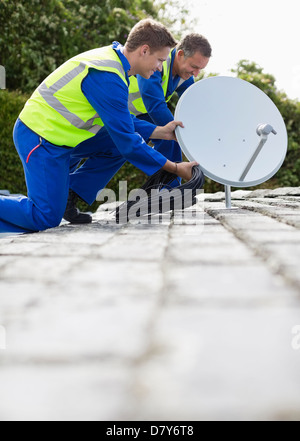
x,y
192,316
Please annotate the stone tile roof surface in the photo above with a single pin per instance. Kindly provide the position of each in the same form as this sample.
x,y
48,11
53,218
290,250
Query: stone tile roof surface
x,y
194,317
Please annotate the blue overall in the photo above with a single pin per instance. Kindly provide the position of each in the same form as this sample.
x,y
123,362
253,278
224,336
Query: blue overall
x,y
47,167
157,108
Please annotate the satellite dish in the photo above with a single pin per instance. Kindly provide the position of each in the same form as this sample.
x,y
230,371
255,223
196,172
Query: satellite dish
x,y
233,130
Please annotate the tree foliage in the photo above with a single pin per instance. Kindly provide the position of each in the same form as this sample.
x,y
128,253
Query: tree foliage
x,y
37,36
289,174
12,175
175,14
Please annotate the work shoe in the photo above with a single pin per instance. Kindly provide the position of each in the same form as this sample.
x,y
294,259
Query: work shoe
x,y
72,214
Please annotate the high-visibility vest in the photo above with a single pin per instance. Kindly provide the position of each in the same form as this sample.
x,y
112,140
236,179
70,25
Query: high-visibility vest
x,y
135,100
58,111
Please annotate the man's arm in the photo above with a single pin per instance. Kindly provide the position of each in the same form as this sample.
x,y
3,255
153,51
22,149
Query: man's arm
x,y
184,86
154,99
108,95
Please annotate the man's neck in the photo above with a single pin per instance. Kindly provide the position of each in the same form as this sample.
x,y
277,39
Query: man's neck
x,y
130,57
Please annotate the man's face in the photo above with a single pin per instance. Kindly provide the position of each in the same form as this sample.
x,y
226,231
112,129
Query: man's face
x,y
151,62
188,67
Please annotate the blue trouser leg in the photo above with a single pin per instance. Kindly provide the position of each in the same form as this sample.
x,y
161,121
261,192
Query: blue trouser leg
x,y
94,175
104,161
47,179
74,163
6,227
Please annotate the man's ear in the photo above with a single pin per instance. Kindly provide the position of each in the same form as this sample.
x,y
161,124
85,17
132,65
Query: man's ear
x,y
145,49
180,53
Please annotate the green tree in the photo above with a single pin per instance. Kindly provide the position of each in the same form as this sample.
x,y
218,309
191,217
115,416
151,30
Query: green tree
x,y
289,174
11,175
175,14
39,35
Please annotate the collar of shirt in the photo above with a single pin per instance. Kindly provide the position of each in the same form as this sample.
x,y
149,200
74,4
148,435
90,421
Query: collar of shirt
x,y
174,51
173,80
119,48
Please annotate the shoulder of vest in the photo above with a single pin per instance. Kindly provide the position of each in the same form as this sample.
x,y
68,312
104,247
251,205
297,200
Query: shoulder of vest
x,y
167,64
98,53
104,58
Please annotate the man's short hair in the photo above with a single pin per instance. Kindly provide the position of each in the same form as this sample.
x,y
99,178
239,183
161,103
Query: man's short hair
x,y
193,43
152,33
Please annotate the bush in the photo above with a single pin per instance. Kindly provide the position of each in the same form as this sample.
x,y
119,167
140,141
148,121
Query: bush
x,y
12,176
37,36
289,174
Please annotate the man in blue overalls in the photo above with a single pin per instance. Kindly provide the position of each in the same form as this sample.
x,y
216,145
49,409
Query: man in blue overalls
x,y
81,111
148,98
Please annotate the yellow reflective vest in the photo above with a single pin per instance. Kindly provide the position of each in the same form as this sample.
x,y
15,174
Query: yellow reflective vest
x,y
135,102
58,111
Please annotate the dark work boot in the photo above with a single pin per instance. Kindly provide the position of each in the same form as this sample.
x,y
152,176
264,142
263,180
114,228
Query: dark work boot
x,y
72,214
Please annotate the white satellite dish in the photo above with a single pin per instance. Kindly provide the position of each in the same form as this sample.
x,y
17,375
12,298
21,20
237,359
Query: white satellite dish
x,y
233,130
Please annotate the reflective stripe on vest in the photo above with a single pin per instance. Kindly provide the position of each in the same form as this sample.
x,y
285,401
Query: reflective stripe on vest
x,y
48,94
166,75
135,103
46,106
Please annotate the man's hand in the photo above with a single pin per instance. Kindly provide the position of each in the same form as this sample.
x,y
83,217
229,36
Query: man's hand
x,y
183,169
167,132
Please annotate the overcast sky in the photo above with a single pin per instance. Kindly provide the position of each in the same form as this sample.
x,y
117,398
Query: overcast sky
x,y
264,31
